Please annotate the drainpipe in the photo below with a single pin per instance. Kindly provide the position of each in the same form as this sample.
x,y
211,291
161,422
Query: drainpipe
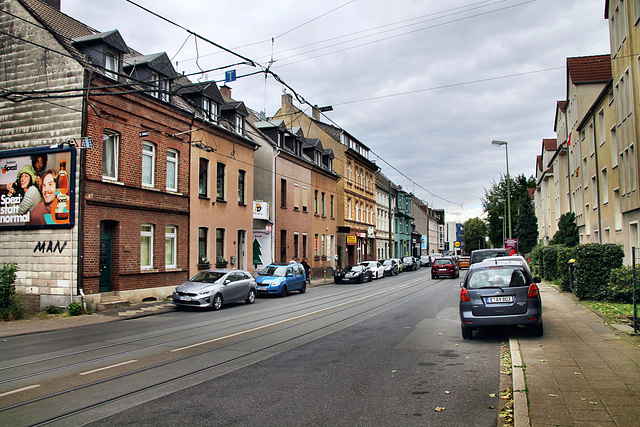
x,y
595,150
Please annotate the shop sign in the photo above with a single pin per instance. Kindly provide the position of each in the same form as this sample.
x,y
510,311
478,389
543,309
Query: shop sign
x,y
351,240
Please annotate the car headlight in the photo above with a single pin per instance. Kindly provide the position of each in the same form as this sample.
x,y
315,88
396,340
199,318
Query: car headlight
x,y
205,291
275,283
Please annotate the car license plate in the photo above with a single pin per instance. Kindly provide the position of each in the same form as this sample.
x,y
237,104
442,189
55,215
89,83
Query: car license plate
x,y
262,288
500,299
185,298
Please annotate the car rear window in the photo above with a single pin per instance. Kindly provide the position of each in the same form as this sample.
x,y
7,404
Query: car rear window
x,y
442,261
496,278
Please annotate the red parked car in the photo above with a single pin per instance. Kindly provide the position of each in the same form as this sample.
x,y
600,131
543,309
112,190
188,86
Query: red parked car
x,y
445,266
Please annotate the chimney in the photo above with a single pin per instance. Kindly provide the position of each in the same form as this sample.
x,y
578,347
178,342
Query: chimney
x,y
53,3
226,91
315,113
287,101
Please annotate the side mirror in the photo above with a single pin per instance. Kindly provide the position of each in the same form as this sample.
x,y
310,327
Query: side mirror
x,y
462,284
537,279
226,282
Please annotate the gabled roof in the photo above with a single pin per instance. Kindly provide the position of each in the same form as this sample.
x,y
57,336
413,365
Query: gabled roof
x,y
112,38
158,62
550,144
209,89
589,69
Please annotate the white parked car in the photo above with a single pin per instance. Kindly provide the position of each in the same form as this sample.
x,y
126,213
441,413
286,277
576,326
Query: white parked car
x,y
377,270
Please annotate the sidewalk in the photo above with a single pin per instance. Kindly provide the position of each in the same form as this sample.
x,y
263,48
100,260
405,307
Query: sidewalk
x,y
582,372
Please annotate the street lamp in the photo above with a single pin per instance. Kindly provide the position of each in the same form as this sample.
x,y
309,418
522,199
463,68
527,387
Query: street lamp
x,y
504,219
506,150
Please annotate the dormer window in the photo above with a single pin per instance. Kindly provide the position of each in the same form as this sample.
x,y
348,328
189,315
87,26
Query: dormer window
x,y
112,64
210,109
162,87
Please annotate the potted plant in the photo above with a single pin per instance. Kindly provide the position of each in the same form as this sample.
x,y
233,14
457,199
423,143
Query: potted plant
x,y
221,262
203,263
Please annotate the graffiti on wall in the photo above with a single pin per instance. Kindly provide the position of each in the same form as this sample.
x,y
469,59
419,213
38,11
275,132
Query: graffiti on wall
x,y
50,246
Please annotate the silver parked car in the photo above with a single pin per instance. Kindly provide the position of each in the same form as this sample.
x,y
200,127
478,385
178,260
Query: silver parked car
x,y
496,293
213,288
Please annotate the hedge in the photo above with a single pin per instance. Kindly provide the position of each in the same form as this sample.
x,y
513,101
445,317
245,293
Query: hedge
x,y
593,266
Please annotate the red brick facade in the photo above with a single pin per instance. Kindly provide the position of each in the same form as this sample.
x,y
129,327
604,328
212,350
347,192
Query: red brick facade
x,y
122,205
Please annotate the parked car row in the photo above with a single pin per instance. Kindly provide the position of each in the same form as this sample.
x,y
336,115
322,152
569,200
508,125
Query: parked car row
x,y
214,287
369,270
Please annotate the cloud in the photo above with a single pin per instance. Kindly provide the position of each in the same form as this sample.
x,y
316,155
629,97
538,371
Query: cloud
x,y
464,72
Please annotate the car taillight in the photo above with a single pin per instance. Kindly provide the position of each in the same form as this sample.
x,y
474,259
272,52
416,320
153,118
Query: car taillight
x,y
464,295
533,291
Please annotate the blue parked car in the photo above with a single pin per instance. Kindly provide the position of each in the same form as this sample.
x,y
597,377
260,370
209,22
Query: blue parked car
x,y
280,279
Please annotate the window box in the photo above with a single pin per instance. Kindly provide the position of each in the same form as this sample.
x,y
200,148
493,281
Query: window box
x,y
204,265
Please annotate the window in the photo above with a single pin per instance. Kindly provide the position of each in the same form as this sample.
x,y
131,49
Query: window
x,y
148,163
315,202
349,209
239,124
283,193
210,109
110,151
304,245
162,86
322,204
305,199
220,181
322,242
613,146
146,246
241,187
202,245
170,246
315,245
296,197
296,243
331,206
172,170
604,184
219,243
112,65
203,180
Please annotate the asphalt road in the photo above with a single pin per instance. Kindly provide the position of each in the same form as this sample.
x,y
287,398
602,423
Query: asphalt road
x,y
382,353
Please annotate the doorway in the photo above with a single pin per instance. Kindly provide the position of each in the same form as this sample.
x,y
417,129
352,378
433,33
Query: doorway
x,y
242,249
105,256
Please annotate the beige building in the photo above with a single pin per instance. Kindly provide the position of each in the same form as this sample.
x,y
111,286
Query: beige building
x,y
355,193
625,45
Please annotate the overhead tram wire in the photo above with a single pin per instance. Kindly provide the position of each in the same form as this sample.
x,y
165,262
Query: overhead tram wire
x,y
251,62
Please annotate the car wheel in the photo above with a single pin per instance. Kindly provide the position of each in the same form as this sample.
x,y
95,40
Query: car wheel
x,y
251,297
371,277
303,289
467,333
538,330
216,304
284,292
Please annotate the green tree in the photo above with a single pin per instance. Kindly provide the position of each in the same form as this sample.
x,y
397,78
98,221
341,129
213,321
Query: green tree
x,y
567,233
475,232
495,205
526,230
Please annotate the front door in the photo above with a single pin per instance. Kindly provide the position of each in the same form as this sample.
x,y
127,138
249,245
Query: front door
x,y
242,243
105,260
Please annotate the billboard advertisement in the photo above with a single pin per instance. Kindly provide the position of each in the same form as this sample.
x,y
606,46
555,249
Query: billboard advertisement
x,y
37,188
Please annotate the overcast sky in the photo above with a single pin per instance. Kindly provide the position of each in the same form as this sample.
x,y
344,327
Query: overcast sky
x,y
426,85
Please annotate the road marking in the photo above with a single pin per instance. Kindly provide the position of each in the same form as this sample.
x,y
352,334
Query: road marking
x,y
108,367
19,390
290,319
